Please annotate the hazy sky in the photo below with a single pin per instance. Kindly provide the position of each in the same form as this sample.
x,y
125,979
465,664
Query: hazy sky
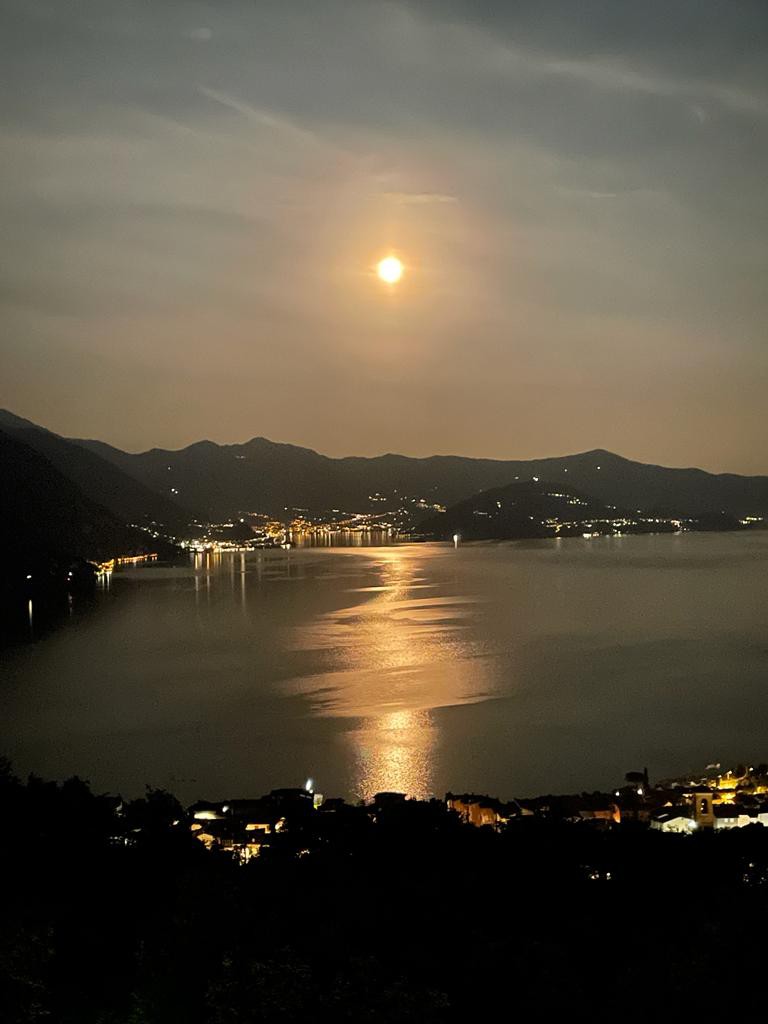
x,y
192,197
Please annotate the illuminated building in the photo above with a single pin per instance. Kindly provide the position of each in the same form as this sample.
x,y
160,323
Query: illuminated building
x,y
481,810
676,820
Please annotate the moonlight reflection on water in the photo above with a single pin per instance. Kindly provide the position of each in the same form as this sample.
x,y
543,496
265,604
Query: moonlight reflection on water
x,y
400,648
504,668
394,752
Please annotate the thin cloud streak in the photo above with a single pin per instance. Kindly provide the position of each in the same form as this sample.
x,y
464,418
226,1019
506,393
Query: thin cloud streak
x,y
420,198
283,125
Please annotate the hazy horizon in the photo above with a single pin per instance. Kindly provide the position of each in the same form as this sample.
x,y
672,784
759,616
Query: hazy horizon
x,y
380,453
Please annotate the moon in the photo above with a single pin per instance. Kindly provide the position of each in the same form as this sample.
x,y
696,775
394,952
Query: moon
x,y
389,270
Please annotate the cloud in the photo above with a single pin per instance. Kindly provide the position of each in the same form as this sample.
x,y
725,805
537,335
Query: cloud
x,y
420,198
589,193
265,118
615,75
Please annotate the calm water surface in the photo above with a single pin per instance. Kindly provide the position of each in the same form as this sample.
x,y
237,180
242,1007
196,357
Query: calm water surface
x,y
511,669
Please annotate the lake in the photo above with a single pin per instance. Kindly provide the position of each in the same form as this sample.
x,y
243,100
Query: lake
x,y
509,669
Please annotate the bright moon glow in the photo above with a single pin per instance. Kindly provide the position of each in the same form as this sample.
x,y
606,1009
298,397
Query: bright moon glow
x,y
390,269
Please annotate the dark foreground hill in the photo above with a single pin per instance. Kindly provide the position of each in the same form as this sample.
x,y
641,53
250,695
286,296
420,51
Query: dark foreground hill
x,y
99,480
262,476
114,913
48,522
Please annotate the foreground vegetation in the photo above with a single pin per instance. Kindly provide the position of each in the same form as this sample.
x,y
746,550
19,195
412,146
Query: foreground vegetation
x,y
113,913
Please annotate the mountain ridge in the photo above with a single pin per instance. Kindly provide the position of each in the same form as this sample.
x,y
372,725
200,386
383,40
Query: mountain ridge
x,y
598,452
209,481
270,476
99,479
49,520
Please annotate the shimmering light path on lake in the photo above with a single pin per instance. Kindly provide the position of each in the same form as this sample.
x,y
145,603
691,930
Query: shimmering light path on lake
x,y
511,669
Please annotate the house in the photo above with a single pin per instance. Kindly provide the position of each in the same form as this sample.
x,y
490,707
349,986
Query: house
x,y
694,808
676,819
244,826
738,816
598,808
481,810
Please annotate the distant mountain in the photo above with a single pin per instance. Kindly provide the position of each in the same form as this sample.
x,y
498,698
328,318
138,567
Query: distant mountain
x,y
529,508
99,480
258,476
262,476
211,481
46,518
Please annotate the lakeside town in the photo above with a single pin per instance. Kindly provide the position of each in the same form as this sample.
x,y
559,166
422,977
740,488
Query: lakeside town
x,y
717,799
301,527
